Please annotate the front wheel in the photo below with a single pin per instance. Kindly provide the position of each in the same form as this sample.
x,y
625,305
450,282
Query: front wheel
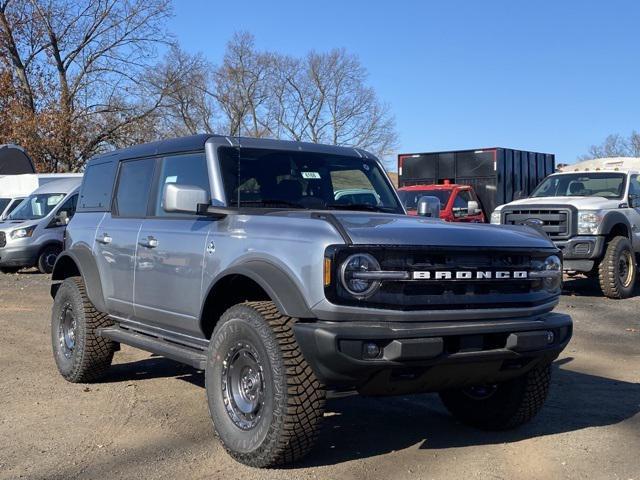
x,y
47,258
501,406
265,401
617,269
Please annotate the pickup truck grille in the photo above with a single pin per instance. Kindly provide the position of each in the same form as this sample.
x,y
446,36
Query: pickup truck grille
x,y
556,222
3,239
411,295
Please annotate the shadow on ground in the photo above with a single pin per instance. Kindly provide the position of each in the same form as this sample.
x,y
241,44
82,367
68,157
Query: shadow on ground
x,y
358,427
582,286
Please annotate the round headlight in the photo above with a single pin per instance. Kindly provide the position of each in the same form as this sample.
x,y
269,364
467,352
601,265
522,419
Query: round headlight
x,y
353,275
550,272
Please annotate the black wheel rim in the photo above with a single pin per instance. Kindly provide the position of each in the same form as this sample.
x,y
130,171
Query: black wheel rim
x,y
243,385
50,259
67,330
480,392
625,268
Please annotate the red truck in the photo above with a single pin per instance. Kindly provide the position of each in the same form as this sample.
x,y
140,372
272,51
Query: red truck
x,y
458,203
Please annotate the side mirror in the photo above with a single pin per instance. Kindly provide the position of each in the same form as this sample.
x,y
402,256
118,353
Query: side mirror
x,y
519,195
473,208
178,198
62,219
429,207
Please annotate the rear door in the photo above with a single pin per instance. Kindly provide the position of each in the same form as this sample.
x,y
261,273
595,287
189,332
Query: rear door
x,y
171,251
117,234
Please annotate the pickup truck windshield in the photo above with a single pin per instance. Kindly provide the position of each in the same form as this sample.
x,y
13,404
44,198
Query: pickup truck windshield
x,y
584,184
36,206
288,179
410,198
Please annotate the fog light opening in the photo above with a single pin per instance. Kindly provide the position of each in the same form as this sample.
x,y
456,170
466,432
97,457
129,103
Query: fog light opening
x,y
371,350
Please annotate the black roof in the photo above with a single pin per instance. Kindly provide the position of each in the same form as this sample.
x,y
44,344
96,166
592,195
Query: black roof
x,y
14,160
197,142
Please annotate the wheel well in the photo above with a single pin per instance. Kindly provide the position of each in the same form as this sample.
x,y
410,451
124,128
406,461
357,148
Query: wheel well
x,y
228,291
618,230
65,267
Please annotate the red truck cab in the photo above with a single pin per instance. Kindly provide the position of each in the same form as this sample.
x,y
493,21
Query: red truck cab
x,y
454,201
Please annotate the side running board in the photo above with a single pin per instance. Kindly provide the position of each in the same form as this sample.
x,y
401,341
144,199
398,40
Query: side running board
x,y
181,353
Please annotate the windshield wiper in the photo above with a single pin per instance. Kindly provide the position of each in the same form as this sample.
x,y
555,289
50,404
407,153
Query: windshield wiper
x,y
360,206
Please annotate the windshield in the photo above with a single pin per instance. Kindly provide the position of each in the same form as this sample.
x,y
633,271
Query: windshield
x,y
589,184
36,206
286,179
410,198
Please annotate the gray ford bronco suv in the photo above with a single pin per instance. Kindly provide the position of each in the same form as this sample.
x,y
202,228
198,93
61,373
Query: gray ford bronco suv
x,y
245,258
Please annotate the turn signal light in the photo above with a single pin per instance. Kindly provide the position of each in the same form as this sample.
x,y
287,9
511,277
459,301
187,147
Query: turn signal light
x,y
327,272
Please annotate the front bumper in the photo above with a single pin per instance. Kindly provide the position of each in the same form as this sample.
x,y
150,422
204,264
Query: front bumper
x,y
581,252
19,256
429,356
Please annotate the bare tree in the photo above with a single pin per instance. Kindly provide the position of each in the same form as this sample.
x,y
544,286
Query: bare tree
x,y
615,145
81,68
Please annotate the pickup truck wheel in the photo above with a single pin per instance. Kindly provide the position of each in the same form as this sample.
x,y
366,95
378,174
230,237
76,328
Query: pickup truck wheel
x,y
265,401
617,269
47,258
81,355
502,406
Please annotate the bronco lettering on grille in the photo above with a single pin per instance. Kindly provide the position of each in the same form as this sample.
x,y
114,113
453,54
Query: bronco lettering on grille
x,y
470,275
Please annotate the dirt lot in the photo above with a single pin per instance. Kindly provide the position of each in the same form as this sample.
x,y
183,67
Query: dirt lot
x,y
149,419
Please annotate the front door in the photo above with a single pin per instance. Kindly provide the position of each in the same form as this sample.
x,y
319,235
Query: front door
x,y
171,251
117,235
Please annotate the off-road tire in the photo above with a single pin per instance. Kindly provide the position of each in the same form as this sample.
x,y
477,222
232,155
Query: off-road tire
x,y
47,258
293,399
609,269
91,355
512,404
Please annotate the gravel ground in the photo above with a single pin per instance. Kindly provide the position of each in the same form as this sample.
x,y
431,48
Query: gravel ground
x,y
149,419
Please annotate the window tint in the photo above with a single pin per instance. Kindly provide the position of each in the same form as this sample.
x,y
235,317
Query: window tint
x,y
634,185
134,185
189,169
97,184
462,199
3,203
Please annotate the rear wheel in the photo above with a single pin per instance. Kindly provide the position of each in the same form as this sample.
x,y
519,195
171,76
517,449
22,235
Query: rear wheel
x,y
617,269
265,401
501,406
80,353
47,258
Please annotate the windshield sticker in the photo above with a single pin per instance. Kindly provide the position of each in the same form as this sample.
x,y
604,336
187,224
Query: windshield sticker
x,y
311,175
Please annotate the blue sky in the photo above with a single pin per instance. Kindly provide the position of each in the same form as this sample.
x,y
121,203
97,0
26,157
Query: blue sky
x,y
552,76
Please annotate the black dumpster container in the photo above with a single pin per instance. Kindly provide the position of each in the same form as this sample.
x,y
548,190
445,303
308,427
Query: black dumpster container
x,y
498,175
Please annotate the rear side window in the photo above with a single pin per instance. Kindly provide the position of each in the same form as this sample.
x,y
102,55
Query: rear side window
x,y
134,185
95,194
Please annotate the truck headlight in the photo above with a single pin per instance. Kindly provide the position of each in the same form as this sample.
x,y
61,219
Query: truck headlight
x,y
22,232
589,221
549,271
496,217
353,275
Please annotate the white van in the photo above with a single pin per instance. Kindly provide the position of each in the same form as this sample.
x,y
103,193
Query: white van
x,y
15,188
33,234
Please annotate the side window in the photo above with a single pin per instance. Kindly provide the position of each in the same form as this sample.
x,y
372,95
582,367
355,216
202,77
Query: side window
x,y
634,189
97,184
69,206
189,169
134,185
461,203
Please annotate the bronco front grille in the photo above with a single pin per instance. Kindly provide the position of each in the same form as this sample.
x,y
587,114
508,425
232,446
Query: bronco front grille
x,y
411,295
556,222
3,239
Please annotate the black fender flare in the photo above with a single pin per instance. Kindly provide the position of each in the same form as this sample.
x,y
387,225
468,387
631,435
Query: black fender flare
x,y
613,218
85,263
278,285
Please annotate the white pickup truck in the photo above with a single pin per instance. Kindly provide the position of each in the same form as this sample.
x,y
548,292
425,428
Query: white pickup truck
x,y
591,211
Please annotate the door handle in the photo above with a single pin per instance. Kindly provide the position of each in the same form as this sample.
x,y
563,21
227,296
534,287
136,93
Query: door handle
x,y
149,242
105,239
